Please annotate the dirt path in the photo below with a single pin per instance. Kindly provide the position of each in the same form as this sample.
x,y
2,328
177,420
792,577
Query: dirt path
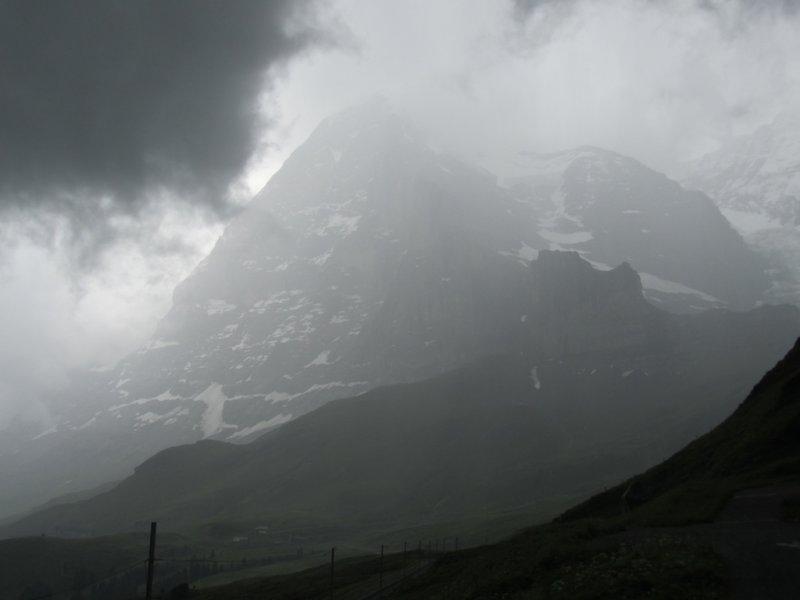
x,y
762,551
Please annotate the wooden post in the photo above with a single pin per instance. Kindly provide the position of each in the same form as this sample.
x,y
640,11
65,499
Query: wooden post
x,y
333,554
380,575
405,556
151,559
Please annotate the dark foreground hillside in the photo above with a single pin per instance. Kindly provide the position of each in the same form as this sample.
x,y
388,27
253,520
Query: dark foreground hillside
x,y
720,519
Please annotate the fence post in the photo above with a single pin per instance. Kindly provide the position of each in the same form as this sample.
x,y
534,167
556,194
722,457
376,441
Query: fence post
x,y
151,559
380,576
333,554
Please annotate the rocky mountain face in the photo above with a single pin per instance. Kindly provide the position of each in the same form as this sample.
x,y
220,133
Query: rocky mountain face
x,y
604,385
613,209
757,175
369,259
755,181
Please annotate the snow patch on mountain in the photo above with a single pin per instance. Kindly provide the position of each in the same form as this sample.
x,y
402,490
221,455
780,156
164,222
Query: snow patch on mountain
x,y
162,397
322,258
279,397
212,420
340,224
159,343
279,419
651,282
215,306
276,397
557,238
749,223
88,423
46,432
168,417
524,253
321,359
755,180
537,383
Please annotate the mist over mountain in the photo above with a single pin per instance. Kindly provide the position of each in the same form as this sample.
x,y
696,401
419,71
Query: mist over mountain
x,y
756,175
607,384
373,258
613,209
755,181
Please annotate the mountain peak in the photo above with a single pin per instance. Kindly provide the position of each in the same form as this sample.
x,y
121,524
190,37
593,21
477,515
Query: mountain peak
x,y
375,107
566,275
580,309
755,174
373,118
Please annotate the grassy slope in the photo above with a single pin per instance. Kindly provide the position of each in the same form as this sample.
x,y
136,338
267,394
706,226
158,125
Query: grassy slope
x,y
62,564
759,443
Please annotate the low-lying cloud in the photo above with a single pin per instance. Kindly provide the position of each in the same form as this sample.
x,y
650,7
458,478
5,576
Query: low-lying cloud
x,y
124,129
55,319
661,81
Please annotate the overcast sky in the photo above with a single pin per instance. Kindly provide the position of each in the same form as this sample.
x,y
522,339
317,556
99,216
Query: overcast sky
x,y
130,132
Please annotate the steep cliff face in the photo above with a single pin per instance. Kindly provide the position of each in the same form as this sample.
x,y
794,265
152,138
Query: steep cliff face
x,y
756,177
368,259
578,309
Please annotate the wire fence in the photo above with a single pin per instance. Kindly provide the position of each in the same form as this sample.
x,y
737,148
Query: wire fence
x,y
176,577
78,590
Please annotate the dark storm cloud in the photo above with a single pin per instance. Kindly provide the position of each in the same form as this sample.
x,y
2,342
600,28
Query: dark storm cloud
x,y
112,97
